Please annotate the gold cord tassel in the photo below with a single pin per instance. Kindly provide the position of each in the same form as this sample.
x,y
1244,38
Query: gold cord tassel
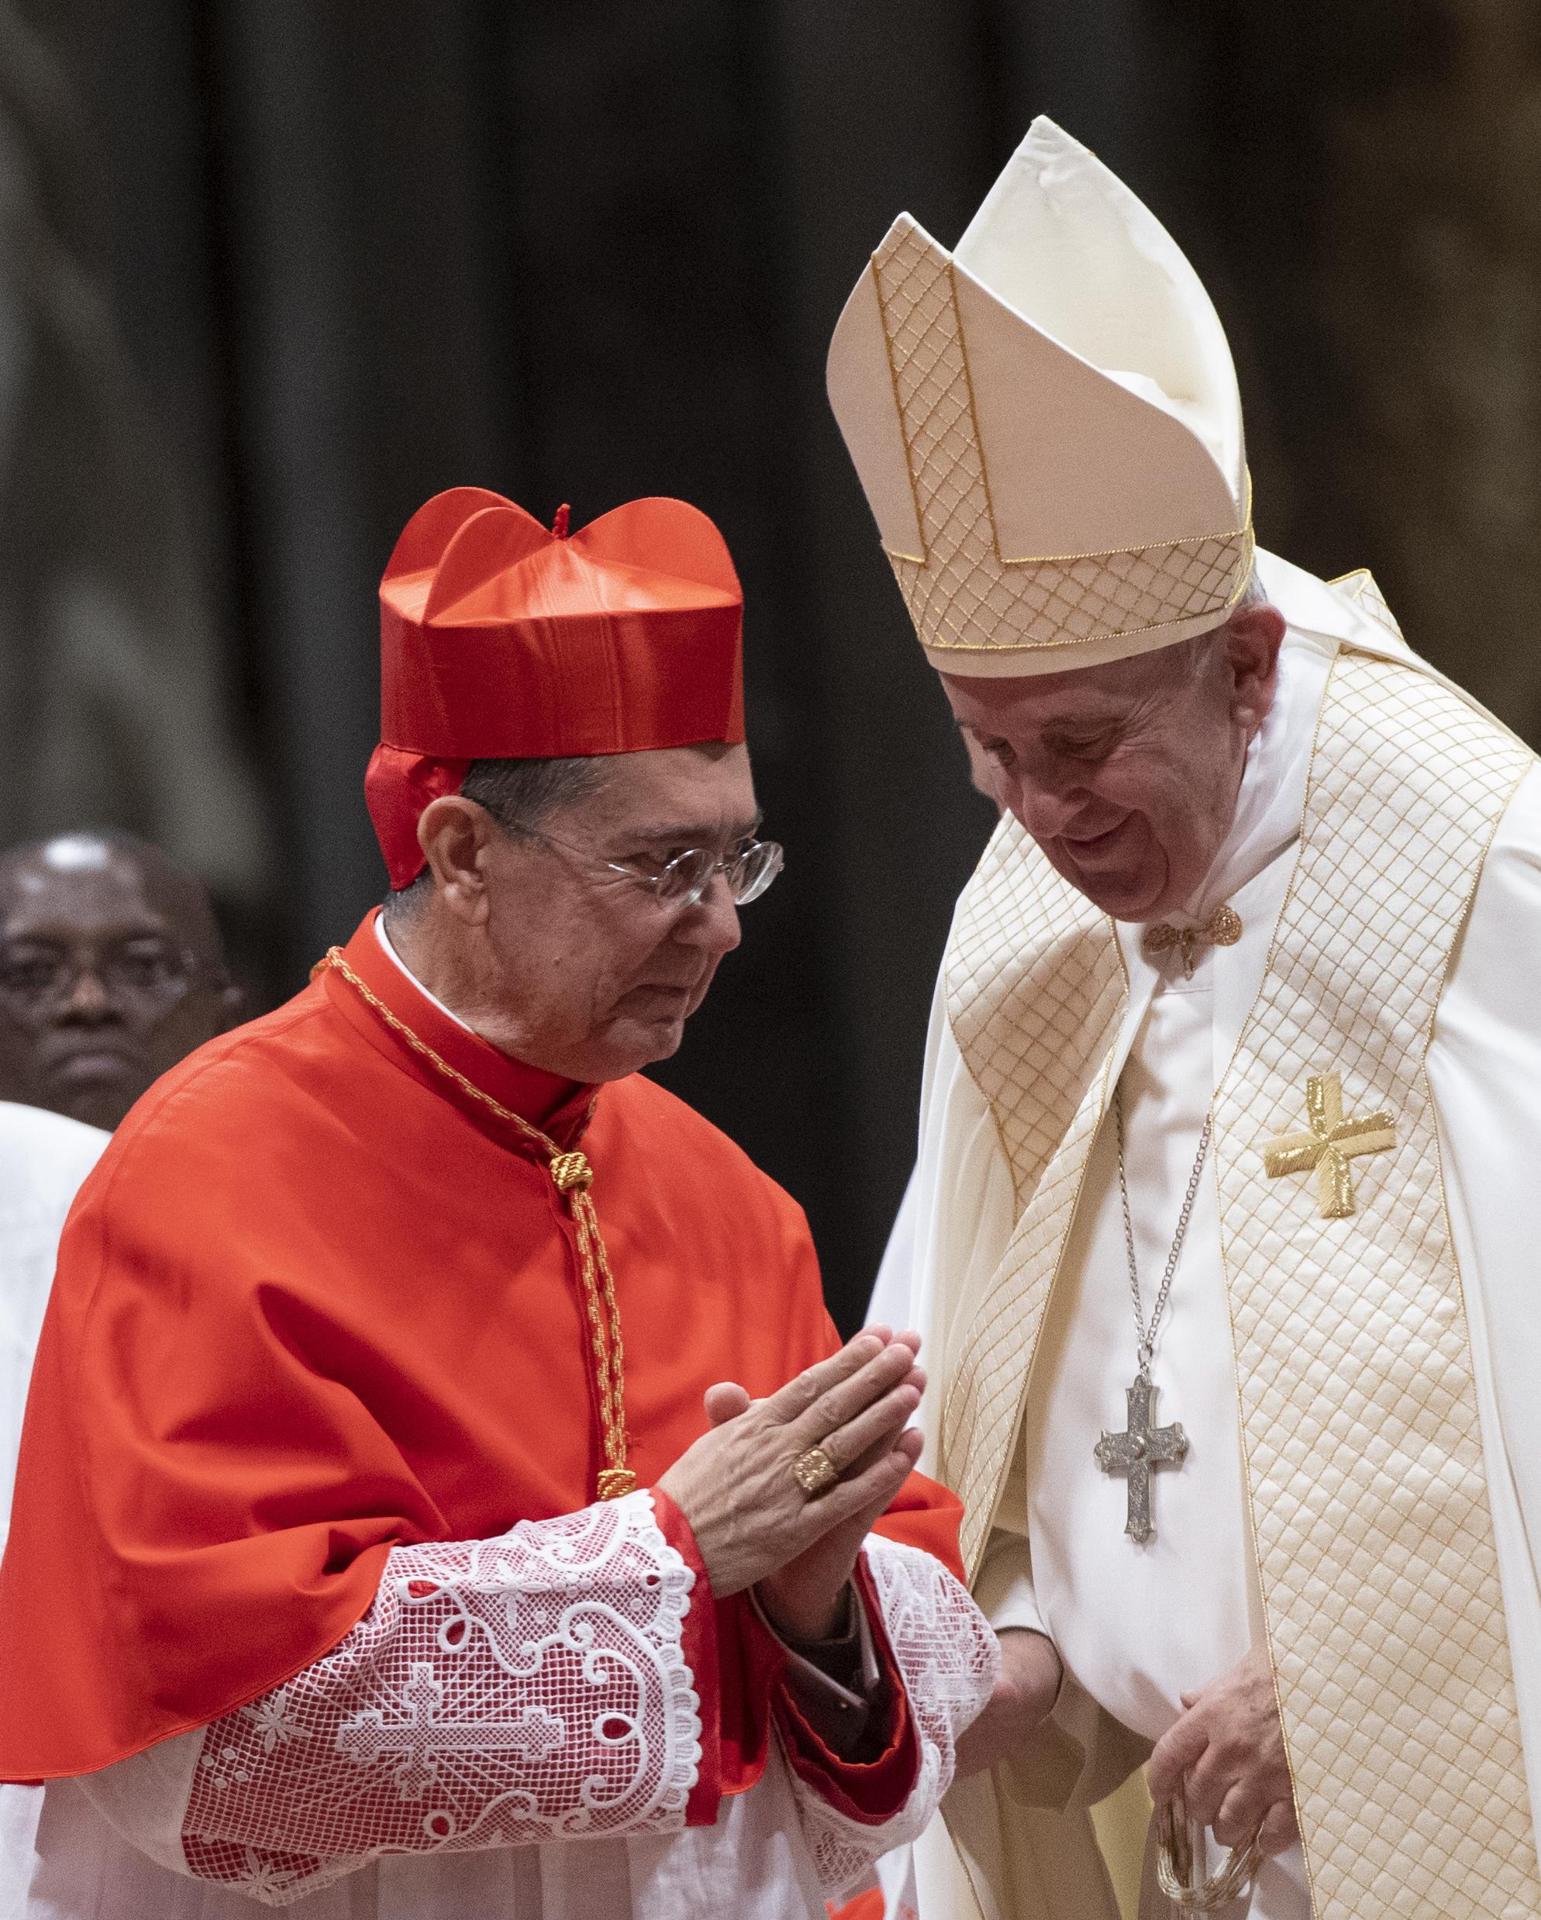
x,y
572,1177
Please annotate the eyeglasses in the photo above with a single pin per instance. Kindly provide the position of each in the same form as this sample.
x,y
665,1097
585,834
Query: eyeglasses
x,y
681,882
149,972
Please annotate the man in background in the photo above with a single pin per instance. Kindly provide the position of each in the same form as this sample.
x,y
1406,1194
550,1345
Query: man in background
x,y
111,971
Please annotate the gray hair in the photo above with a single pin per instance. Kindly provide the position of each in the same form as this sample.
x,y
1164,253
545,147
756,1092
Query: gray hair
x,y
1253,594
521,795
1199,649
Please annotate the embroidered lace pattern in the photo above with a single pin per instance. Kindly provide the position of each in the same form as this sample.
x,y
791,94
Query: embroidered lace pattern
x,y
498,1693
948,1659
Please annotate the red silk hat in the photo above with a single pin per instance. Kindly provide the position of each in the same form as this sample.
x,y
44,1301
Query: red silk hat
x,y
502,640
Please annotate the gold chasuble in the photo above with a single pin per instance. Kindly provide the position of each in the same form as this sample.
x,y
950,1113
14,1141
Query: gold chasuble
x,y
1363,1462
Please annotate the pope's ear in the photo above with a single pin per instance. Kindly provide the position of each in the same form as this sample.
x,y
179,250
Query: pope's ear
x,y
454,834
1253,637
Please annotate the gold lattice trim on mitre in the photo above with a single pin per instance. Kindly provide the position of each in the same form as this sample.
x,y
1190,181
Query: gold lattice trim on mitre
x,y
963,594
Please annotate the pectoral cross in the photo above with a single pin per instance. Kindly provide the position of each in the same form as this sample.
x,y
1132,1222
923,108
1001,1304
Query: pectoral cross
x,y
1330,1145
1139,1449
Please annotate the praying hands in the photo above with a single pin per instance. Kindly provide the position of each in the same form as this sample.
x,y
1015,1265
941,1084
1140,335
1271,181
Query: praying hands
x,y
755,1524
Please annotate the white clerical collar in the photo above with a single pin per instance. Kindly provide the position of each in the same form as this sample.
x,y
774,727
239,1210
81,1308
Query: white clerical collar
x,y
401,967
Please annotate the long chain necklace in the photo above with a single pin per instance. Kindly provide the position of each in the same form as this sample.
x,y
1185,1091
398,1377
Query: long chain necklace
x,y
572,1177
1143,1445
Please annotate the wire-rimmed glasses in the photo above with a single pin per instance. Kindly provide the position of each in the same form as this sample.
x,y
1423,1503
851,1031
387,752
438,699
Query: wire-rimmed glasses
x,y
681,882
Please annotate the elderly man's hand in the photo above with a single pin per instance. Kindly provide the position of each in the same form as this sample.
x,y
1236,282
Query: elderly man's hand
x,y
1228,1750
805,1599
1023,1699
749,1515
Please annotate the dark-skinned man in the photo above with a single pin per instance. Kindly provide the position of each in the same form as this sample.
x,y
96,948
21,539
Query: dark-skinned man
x,y
111,971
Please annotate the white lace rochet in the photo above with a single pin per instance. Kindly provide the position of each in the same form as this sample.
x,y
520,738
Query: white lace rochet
x,y
948,1658
498,1693
525,1691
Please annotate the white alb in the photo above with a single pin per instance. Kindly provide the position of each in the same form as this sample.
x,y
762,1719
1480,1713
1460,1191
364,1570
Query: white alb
x,y
513,1729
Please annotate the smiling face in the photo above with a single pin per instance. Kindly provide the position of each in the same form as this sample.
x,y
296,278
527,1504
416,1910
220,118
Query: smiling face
x,y
550,954
110,973
1126,774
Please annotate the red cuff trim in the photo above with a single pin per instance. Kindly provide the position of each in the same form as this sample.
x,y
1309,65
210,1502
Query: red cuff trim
x,y
698,1641
750,1662
866,1906
871,1791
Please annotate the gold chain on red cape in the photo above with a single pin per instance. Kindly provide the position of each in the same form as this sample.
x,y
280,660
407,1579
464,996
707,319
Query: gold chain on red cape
x,y
572,1177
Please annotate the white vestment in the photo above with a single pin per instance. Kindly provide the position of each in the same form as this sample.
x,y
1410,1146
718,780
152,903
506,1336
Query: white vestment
x,y
43,1159
1139,1626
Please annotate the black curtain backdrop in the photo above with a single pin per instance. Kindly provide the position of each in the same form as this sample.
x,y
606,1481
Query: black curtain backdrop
x,y
362,252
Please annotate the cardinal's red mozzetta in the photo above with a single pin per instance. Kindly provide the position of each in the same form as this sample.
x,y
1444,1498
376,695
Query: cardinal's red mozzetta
x,y
322,1308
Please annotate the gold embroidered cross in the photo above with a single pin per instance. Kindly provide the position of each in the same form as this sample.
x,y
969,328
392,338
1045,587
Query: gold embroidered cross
x,y
1330,1145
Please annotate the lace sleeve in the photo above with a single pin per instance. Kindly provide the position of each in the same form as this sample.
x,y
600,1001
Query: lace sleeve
x,y
948,1658
505,1692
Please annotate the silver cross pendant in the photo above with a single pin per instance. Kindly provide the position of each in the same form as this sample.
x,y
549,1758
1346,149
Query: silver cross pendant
x,y
1137,1451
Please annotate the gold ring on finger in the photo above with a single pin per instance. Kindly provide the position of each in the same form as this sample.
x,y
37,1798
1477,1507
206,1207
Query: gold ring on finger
x,y
815,1472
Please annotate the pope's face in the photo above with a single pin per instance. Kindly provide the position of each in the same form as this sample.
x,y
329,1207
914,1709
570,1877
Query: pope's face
x,y
595,976
1126,774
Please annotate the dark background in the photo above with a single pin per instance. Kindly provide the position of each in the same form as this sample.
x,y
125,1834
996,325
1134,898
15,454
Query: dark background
x,y
276,270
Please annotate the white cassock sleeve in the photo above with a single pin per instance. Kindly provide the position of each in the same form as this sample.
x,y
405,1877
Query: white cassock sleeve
x,y
956,1218
958,1215
523,1691
1484,1068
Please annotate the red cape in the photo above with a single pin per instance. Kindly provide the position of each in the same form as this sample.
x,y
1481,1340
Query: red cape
x,y
315,1302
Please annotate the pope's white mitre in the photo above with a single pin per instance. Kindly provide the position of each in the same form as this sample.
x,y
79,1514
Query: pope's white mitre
x,y
1046,424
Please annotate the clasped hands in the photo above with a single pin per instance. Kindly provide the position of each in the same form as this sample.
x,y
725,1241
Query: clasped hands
x,y
1226,1750
754,1525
